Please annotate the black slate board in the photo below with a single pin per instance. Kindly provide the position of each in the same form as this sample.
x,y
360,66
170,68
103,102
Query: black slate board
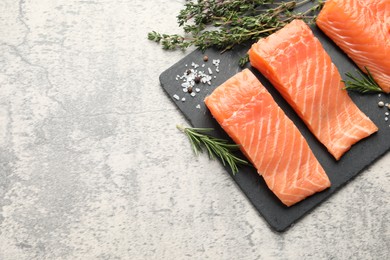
x,y
340,172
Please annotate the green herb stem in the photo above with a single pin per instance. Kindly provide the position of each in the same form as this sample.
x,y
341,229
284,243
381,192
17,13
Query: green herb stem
x,y
225,24
215,147
363,84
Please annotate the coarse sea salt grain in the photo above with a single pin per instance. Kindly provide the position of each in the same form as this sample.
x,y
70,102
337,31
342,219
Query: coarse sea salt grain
x,y
192,77
198,106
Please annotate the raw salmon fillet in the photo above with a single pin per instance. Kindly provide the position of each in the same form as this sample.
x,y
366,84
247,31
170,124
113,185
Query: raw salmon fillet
x,y
361,28
295,62
268,138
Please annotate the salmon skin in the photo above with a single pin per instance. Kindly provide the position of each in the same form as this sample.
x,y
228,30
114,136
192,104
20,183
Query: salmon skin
x,y
361,28
268,138
295,62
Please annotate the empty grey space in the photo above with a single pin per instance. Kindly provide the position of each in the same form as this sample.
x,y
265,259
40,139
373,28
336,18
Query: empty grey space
x,y
93,167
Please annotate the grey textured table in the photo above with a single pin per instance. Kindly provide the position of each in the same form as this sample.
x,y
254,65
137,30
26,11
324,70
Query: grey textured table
x,y
92,166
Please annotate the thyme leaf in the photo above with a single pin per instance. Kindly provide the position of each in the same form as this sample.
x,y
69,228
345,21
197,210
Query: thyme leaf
x,y
225,24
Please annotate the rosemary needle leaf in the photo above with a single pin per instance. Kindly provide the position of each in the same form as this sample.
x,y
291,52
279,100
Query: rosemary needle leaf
x,y
215,147
363,84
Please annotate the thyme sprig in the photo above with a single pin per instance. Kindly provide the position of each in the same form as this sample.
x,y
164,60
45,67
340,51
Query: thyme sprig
x,y
227,23
364,84
215,147
243,60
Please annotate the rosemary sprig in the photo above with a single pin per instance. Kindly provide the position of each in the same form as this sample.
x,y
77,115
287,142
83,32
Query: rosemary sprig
x,y
215,147
227,23
363,84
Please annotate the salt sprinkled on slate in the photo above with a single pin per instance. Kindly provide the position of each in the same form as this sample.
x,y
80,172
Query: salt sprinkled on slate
x,y
216,64
382,104
193,64
193,76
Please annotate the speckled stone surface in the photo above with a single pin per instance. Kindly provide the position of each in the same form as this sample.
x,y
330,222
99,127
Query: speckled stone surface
x,y
92,166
